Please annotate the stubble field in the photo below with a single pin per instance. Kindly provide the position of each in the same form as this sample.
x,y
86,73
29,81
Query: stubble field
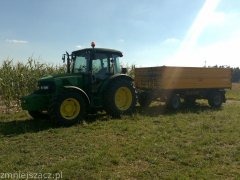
x,y
196,142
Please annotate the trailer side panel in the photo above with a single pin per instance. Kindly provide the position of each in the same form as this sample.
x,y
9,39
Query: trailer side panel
x,y
170,78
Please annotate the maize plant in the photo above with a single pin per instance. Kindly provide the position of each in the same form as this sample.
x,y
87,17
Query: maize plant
x,y
19,79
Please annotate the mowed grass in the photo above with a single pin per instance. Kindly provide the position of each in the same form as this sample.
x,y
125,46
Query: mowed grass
x,y
234,93
196,142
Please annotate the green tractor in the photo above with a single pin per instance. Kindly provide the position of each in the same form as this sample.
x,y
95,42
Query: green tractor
x,y
94,81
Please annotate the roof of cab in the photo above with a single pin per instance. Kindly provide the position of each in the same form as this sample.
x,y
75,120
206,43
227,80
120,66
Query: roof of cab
x,y
104,50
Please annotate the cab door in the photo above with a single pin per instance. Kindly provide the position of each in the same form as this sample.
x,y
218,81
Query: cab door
x,y
101,70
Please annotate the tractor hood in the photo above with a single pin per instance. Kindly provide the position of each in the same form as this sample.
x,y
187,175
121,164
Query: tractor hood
x,y
58,81
55,76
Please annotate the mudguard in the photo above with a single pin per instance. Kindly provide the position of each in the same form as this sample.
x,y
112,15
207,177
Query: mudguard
x,y
80,91
114,78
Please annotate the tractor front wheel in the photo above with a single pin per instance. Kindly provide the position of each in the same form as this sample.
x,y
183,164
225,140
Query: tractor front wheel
x,y
68,108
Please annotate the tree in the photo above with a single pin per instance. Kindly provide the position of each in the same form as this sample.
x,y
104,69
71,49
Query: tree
x,y
236,74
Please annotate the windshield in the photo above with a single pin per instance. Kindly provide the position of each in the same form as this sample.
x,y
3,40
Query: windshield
x,y
80,63
101,63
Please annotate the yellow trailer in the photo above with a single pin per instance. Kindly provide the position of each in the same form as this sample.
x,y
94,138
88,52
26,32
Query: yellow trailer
x,y
189,83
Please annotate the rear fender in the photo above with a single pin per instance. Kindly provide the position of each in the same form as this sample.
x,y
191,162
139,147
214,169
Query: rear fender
x,y
116,77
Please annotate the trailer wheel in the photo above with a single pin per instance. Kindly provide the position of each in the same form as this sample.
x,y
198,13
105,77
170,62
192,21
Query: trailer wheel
x,y
120,98
215,99
68,108
189,100
174,102
144,99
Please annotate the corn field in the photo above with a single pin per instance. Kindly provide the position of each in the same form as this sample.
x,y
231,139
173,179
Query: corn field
x,y
19,79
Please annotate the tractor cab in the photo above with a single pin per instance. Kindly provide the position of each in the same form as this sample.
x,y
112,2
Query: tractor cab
x,y
99,62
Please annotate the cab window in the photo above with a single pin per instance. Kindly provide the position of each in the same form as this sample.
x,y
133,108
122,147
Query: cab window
x,y
100,65
80,64
117,66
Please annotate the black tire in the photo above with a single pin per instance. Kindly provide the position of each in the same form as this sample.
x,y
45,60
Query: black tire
x,y
189,100
38,114
144,99
120,98
67,109
174,102
215,99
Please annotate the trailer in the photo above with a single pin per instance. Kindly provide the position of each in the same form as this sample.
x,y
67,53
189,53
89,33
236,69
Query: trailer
x,y
171,84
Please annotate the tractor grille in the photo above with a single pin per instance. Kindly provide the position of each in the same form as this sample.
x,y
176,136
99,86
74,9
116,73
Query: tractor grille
x,y
46,87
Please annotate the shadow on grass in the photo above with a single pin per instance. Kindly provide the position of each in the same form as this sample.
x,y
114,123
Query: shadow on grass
x,y
161,109
17,127
102,116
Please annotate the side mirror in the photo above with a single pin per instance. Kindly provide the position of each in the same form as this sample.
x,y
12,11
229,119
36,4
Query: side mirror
x,y
63,58
124,71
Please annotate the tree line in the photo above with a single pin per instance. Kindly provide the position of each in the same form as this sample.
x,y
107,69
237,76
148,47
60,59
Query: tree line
x,y
235,73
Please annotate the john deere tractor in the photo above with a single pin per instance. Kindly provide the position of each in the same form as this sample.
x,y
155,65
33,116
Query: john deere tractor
x,y
94,81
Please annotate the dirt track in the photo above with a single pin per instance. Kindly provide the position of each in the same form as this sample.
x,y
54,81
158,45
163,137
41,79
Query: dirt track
x,y
232,101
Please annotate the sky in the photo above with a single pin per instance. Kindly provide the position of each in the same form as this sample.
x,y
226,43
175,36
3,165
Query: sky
x,y
149,33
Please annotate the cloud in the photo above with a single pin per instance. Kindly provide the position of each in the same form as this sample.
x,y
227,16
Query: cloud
x,y
121,40
79,46
171,41
15,41
205,16
217,18
220,44
225,52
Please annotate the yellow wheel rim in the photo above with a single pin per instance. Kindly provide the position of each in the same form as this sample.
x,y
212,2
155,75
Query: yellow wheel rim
x,y
70,108
123,98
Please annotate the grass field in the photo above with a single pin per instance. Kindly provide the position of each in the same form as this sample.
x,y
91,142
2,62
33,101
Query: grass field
x,y
234,93
193,143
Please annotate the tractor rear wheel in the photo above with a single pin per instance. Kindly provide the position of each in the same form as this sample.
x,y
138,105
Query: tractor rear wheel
x,y
120,98
68,108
